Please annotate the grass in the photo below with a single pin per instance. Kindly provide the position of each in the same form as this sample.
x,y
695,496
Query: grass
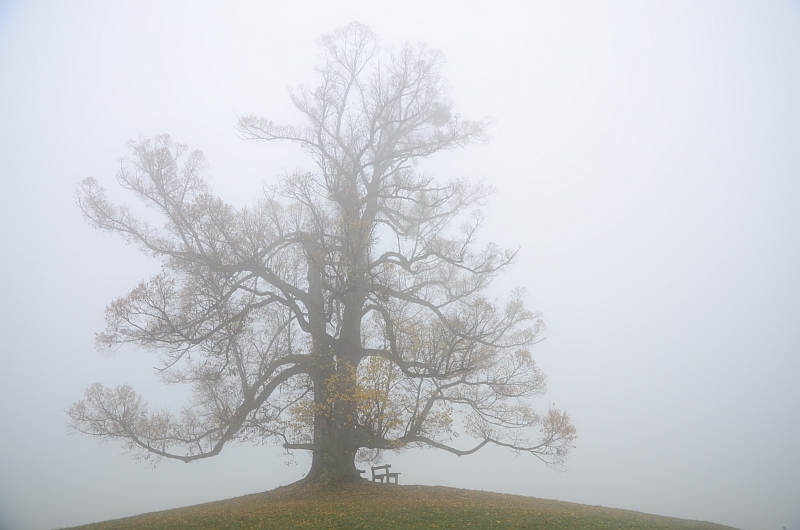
x,y
368,505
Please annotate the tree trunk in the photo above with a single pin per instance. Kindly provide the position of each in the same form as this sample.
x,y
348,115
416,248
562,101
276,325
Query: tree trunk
x,y
335,446
334,377
333,461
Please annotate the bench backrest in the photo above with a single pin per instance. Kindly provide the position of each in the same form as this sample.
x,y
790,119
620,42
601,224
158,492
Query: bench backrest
x,y
385,469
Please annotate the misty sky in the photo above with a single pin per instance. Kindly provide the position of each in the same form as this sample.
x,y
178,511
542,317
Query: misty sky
x,y
647,161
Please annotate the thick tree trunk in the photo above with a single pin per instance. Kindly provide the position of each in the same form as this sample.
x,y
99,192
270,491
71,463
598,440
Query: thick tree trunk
x,y
334,462
334,433
334,377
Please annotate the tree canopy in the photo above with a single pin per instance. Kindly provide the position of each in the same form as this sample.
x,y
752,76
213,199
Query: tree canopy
x,y
345,312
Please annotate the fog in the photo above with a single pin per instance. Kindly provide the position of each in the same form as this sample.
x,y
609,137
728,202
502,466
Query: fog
x,y
647,162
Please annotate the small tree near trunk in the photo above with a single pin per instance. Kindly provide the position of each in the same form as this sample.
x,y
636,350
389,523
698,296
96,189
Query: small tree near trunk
x,y
345,312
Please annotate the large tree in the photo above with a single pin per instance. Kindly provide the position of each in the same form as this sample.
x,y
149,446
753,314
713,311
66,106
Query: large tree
x,y
344,313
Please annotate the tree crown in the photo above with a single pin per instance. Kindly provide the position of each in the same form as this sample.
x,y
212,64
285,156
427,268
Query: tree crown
x,y
344,307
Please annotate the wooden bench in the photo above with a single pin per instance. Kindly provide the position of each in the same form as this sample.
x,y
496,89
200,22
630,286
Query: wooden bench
x,y
385,477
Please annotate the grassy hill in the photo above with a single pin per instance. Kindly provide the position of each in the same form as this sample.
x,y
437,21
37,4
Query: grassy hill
x,y
367,505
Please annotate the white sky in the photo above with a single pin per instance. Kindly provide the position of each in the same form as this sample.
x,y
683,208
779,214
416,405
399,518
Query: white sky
x,y
647,157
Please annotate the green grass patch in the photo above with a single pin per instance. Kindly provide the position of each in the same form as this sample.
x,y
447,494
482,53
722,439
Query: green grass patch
x,y
368,505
